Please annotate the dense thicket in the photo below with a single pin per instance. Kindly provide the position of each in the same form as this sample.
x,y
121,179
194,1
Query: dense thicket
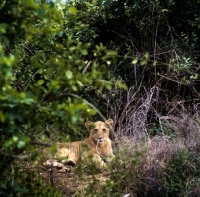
x,y
135,61
167,31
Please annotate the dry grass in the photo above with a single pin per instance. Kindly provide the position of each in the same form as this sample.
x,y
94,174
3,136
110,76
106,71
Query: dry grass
x,y
176,132
130,112
142,159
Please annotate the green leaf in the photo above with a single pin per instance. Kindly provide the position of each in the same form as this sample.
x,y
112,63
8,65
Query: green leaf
x,y
74,88
2,117
121,85
79,83
55,84
84,52
112,53
60,34
143,62
108,62
72,10
15,138
147,56
134,61
3,27
40,82
69,74
21,144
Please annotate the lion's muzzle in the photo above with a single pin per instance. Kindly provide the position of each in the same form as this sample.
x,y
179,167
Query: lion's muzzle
x,y
100,140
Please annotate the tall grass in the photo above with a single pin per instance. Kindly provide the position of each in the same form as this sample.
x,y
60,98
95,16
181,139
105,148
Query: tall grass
x,y
157,154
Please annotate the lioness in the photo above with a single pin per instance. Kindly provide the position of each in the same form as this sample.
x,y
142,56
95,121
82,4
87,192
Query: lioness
x,y
97,147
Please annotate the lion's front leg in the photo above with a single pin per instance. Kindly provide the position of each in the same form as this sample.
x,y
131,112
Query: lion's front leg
x,y
98,161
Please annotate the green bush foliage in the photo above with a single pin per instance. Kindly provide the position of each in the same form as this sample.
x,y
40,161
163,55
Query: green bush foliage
x,y
155,46
41,77
61,61
181,176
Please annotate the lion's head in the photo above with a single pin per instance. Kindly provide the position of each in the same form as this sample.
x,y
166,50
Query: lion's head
x,y
99,131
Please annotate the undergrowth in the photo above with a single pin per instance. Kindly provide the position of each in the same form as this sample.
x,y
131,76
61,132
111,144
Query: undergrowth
x,y
55,73
31,184
156,156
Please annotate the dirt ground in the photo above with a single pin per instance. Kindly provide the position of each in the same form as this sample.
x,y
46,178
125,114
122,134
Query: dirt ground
x,y
72,183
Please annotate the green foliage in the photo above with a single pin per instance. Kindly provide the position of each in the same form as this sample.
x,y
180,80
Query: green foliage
x,y
181,174
120,176
162,129
33,185
155,45
53,56
43,70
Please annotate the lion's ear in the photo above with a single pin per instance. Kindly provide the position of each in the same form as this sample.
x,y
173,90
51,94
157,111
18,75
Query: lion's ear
x,y
109,122
89,125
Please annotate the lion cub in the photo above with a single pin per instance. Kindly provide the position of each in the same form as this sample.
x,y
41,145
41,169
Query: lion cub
x,y
97,147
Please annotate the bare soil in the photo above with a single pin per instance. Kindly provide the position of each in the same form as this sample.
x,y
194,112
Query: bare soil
x,y
72,183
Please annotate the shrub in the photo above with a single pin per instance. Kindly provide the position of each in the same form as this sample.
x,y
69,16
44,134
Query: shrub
x,y
180,175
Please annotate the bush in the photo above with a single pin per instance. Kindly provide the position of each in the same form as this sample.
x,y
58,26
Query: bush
x,y
25,181
181,174
60,63
42,77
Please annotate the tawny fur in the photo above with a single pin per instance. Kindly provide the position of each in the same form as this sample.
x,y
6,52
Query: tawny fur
x,y
97,147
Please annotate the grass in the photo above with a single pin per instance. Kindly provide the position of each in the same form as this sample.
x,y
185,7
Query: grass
x,y
157,158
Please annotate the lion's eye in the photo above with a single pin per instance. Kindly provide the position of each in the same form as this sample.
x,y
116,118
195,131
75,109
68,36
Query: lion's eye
x,y
95,130
104,130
